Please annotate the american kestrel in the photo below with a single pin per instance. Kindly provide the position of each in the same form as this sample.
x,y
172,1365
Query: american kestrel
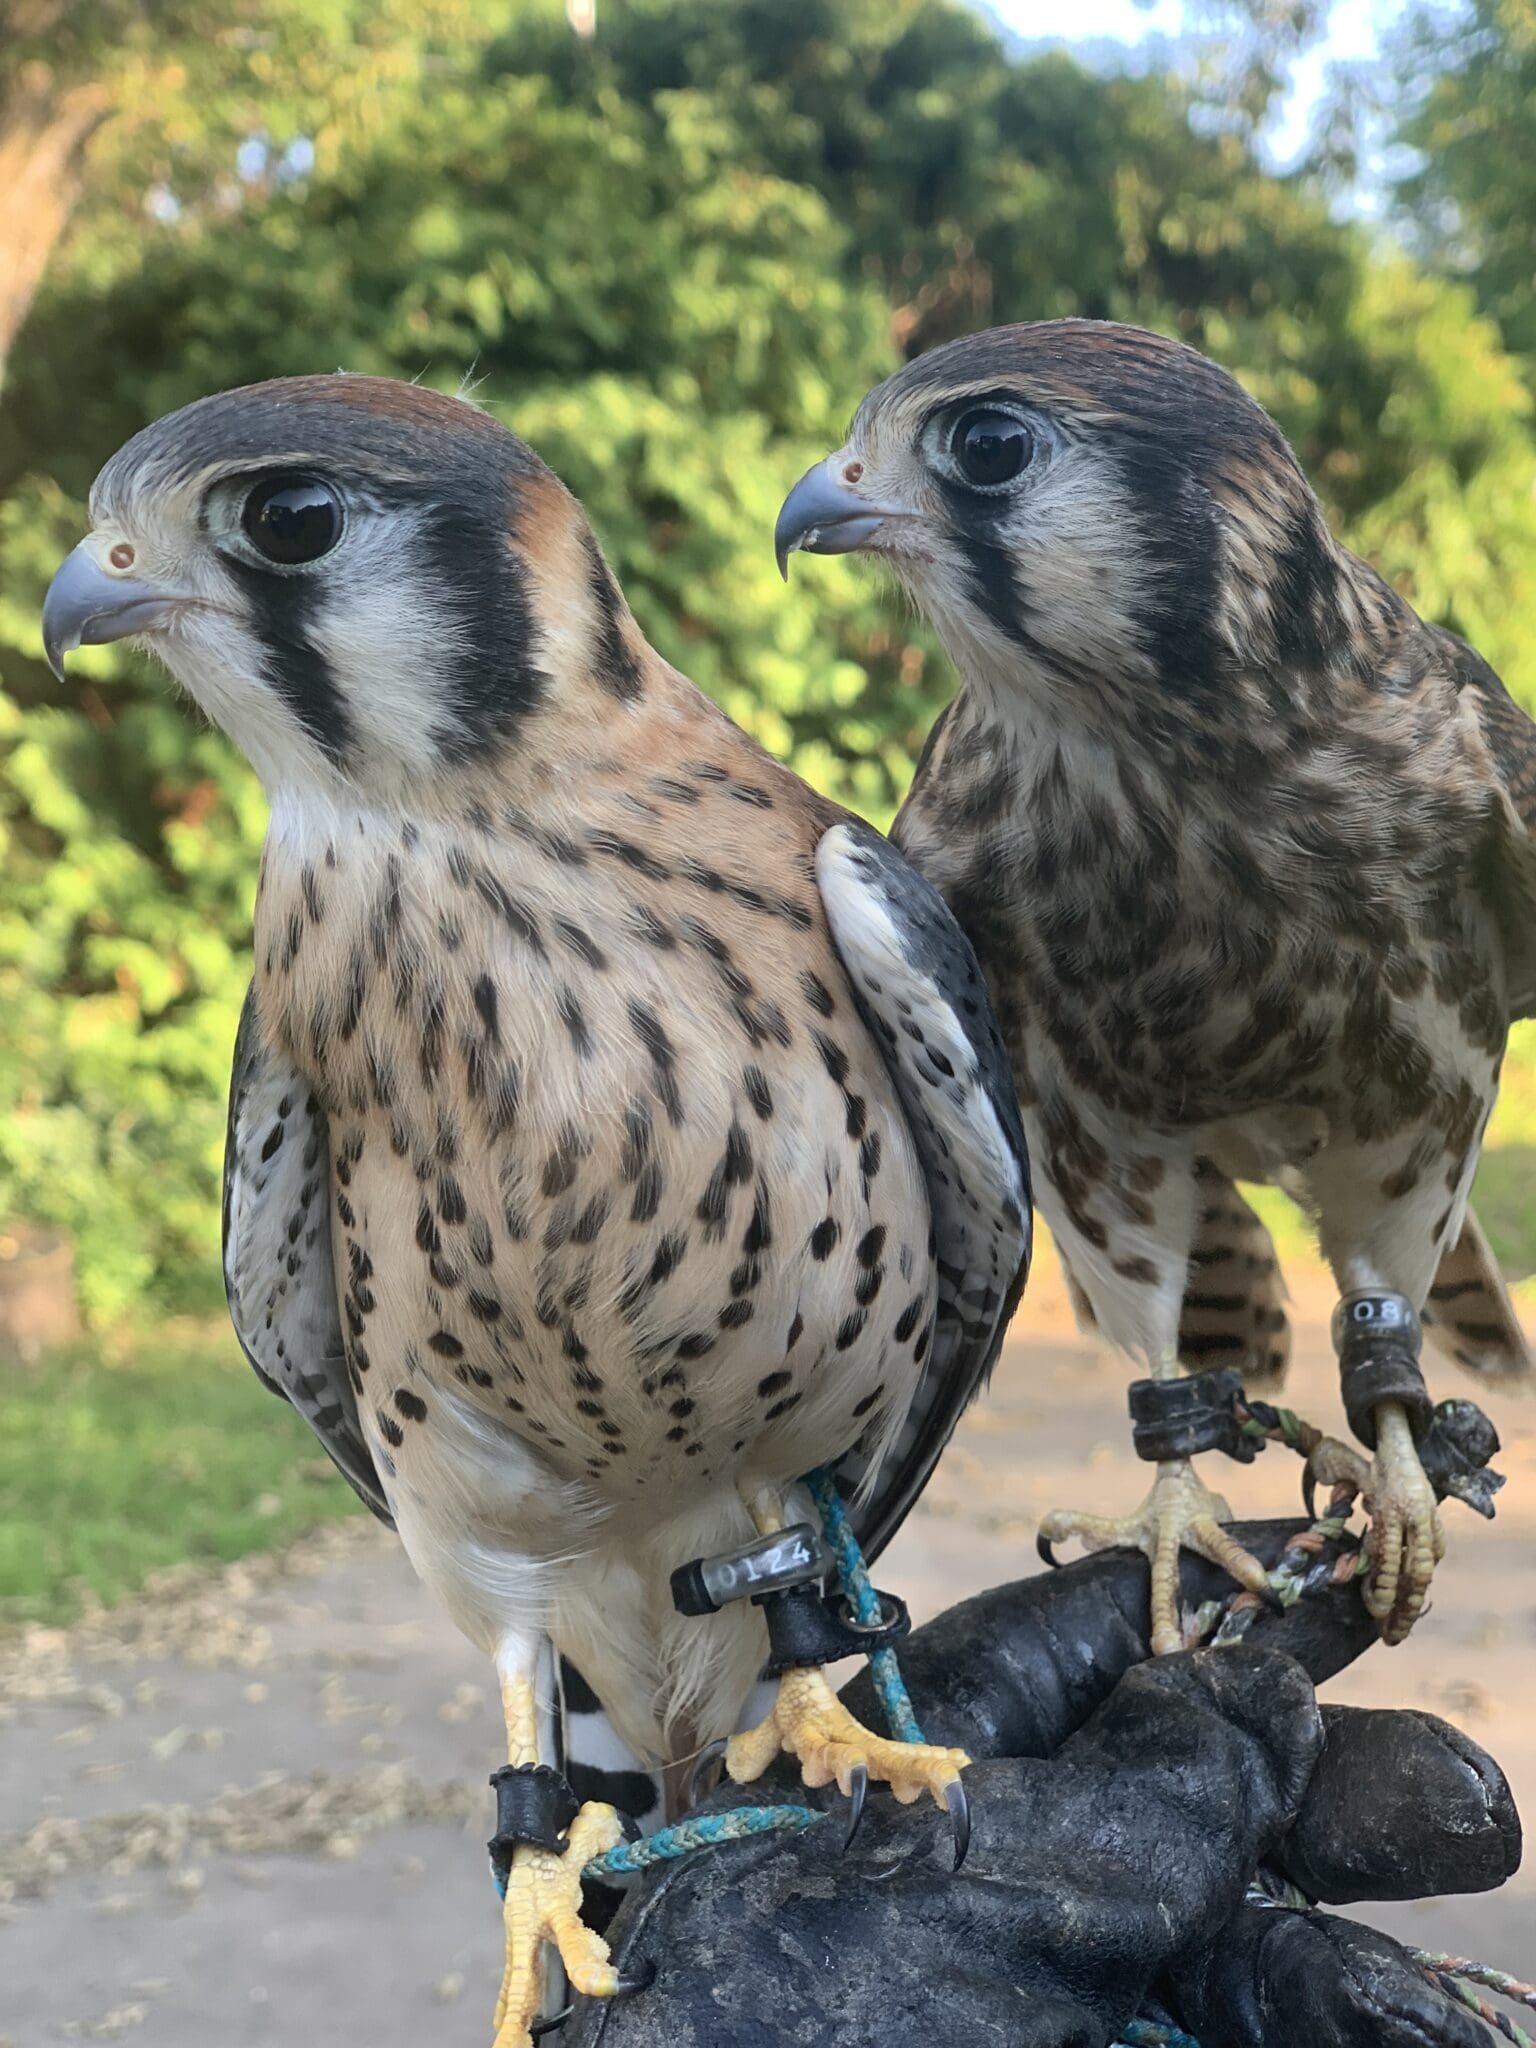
x,y
619,1131
1246,850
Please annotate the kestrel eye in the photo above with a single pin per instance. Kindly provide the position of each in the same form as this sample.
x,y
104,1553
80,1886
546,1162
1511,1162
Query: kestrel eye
x,y
990,448
292,519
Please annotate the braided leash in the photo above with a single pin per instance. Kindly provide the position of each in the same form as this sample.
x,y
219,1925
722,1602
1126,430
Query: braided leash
x,y
704,1831
853,1577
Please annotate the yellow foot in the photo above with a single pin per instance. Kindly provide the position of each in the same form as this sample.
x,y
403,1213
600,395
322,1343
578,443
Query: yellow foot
x,y
543,1903
1180,1513
810,1722
1405,1540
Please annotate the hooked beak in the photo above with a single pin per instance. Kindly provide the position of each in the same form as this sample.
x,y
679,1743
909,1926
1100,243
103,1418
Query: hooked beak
x,y
86,606
825,516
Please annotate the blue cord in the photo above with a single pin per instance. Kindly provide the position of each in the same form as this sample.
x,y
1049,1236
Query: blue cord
x,y
705,1831
853,1577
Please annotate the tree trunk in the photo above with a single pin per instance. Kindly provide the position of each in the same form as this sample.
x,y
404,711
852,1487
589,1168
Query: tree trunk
x,y
43,135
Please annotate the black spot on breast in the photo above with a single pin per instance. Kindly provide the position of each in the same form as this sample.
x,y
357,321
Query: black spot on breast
x,y
576,940
514,915
833,1058
782,1407
485,1003
758,1235
669,1256
630,855
389,1429
573,1017
735,1315
411,1406
863,1407
648,1028
445,1344
796,1330
648,1191
816,993
907,1321
755,1081
560,1168
774,1383
850,1329
824,1237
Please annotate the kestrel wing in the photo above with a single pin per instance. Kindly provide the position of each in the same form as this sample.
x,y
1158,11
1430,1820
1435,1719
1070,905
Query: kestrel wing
x,y
920,991
1505,738
278,1272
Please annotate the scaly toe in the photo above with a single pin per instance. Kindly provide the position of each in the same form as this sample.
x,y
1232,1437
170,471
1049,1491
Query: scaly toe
x,y
543,1904
810,1723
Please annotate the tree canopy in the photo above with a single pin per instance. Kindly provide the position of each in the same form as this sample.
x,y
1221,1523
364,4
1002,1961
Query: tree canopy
x,y
673,256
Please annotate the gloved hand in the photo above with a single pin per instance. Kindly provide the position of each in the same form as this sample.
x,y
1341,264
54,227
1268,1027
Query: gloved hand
x,y
1121,1810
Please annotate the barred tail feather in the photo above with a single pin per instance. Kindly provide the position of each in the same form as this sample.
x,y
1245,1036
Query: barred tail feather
x,y
1470,1315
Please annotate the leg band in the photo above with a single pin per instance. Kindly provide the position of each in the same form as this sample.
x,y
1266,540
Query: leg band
x,y
806,1628
791,1557
1378,1339
1178,1418
534,1803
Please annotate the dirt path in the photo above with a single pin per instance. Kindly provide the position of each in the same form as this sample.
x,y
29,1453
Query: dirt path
x,y
250,1811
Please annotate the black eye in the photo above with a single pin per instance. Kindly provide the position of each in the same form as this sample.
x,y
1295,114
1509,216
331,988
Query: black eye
x,y
989,447
292,519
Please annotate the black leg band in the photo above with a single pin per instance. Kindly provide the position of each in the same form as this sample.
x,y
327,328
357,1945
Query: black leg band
x,y
1378,1338
807,1629
534,1803
1179,1418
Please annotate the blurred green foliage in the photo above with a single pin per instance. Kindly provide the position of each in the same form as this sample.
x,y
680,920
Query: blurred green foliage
x,y
673,257
109,1473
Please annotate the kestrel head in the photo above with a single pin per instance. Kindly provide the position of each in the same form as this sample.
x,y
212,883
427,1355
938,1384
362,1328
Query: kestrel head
x,y
1082,505
365,583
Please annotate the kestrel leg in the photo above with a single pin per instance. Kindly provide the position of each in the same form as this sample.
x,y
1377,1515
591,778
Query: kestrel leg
x,y
809,1722
1180,1513
549,1838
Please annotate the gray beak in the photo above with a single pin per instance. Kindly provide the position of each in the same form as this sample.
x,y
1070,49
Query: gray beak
x,y
85,607
825,517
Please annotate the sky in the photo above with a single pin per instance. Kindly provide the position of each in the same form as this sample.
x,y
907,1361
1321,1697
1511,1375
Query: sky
x,y
1353,29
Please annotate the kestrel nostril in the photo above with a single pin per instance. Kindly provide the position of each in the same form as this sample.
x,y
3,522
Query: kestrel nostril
x,y
853,472
121,556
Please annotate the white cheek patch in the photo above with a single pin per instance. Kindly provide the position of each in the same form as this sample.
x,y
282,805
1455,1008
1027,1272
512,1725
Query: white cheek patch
x,y
391,643
1066,548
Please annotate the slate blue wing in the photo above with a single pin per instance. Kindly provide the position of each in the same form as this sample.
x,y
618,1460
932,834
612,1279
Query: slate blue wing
x,y
278,1270
919,989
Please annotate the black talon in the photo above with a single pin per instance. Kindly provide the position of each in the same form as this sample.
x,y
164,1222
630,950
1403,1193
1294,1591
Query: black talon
x,y
552,2025
956,1799
643,1979
858,1792
1045,1553
1309,1490
705,1761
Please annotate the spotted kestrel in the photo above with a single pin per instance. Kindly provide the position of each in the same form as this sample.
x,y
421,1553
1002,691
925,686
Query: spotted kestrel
x,y
619,1131
1246,850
